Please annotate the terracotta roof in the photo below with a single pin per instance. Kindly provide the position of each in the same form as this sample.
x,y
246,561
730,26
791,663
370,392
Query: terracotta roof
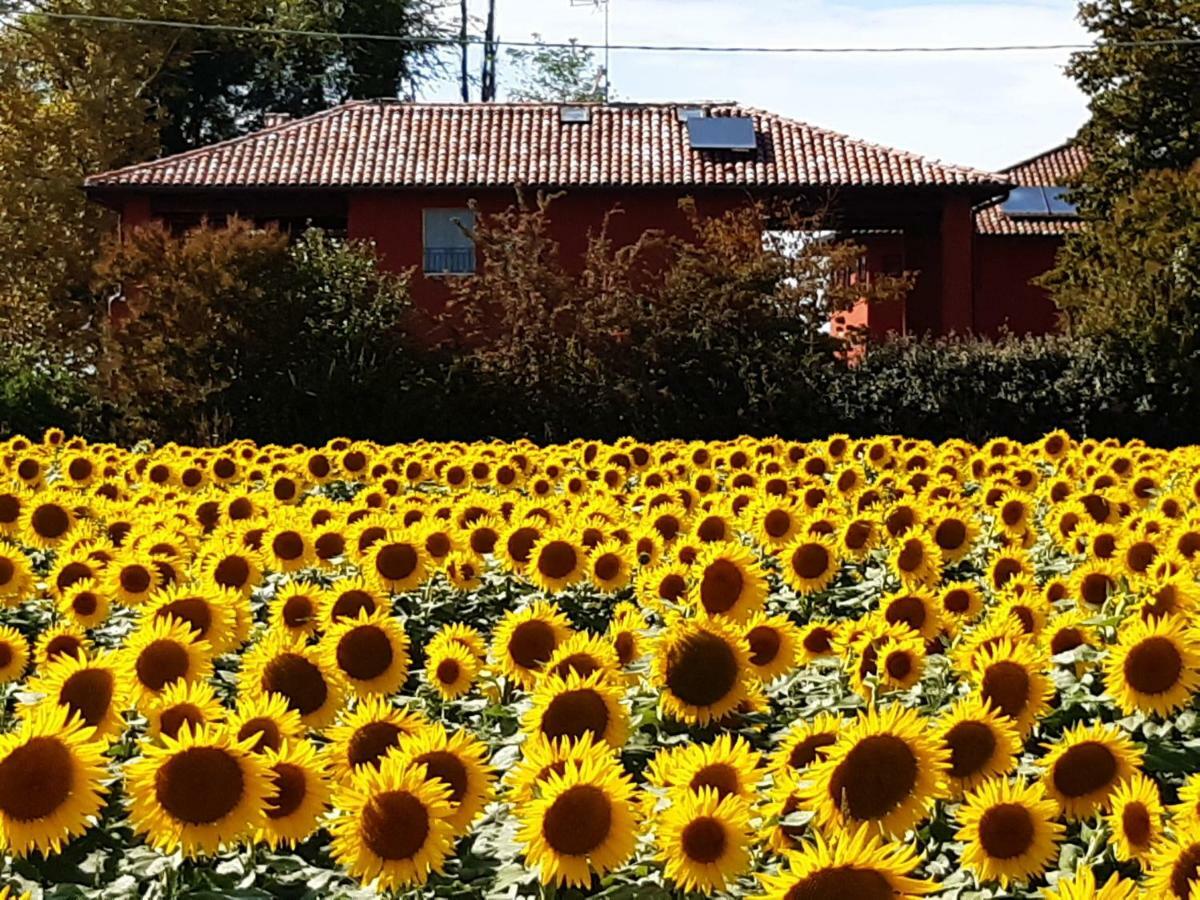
x,y
1054,168
394,144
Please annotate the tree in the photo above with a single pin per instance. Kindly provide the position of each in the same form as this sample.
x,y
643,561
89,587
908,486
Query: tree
x,y
1144,100
1133,271
550,74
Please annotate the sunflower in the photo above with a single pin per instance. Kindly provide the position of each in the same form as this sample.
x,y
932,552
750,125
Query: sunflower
x,y
296,608
1136,820
347,597
1154,666
458,633
818,639
701,668
451,669
367,734
300,797
197,792
1169,596
807,741
51,775
773,643
1009,831
369,653
65,639
287,546
210,612
84,604
1011,677
392,826
90,686
14,654
160,653
540,756
773,521
953,533
230,565
457,759
281,664
847,863
884,768
900,662
583,653
1085,765
1092,583
268,719
47,519
810,563
524,640
464,570
557,561
16,575
661,587
959,603
574,705
915,559
610,566
784,808
190,704
728,765
582,822
727,582
398,562
1082,886
1067,632
916,610
982,743
1174,867
704,840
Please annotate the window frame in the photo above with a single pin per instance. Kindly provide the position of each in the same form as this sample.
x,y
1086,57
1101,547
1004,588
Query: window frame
x,y
459,211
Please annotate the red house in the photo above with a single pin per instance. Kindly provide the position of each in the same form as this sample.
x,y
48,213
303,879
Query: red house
x,y
402,175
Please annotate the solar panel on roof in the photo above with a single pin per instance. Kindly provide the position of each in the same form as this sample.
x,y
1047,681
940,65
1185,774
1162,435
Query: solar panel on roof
x,y
574,115
1026,201
722,133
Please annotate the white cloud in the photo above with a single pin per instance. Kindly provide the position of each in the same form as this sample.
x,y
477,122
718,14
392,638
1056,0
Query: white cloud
x,y
982,109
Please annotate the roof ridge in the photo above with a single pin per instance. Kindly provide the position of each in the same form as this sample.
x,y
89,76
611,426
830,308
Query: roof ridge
x,y
1068,144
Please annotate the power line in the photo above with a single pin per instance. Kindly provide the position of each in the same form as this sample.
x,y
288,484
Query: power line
x,y
457,41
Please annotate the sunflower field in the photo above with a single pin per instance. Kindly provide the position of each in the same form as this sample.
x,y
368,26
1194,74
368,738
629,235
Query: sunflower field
x,y
877,668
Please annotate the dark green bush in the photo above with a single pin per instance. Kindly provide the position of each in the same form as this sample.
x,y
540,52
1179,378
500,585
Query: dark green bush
x,y
37,391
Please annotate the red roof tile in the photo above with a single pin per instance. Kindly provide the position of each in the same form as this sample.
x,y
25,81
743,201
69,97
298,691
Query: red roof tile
x,y
393,144
1054,168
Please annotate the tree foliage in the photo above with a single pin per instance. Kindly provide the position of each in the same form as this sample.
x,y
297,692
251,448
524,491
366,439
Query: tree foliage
x,y
549,74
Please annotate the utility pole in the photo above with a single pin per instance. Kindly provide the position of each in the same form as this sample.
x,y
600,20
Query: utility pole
x,y
466,72
487,91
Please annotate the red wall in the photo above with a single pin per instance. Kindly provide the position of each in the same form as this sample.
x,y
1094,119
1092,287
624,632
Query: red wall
x,y
1004,267
394,221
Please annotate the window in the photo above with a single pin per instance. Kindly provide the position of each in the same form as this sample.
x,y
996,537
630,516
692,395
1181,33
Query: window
x,y
449,249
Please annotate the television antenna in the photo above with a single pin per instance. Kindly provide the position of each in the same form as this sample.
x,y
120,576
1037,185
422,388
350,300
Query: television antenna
x,y
602,5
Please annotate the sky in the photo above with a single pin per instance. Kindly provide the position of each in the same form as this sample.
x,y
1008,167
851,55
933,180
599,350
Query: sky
x,y
988,110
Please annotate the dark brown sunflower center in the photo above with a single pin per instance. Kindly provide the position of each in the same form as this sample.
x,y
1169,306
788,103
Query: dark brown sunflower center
x,y
899,665
532,643
912,556
89,693
721,586
85,603
625,647
450,769
607,567
364,653
173,719
36,779
1185,871
810,561
765,644
71,573
448,671
1086,767
191,611
972,745
394,825
1006,831
840,883
777,523
818,640
298,611
136,579
557,559
232,572
672,587
371,742
573,713
584,664
721,777
50,521
330,545
957,601
161,663
1065,640
908,611
1136,824
298,680
1006,686
703,840
265,730
291,787
395,562
288,545
702,669
578,821
350,603
1153,666
200,785
876,776
806,751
